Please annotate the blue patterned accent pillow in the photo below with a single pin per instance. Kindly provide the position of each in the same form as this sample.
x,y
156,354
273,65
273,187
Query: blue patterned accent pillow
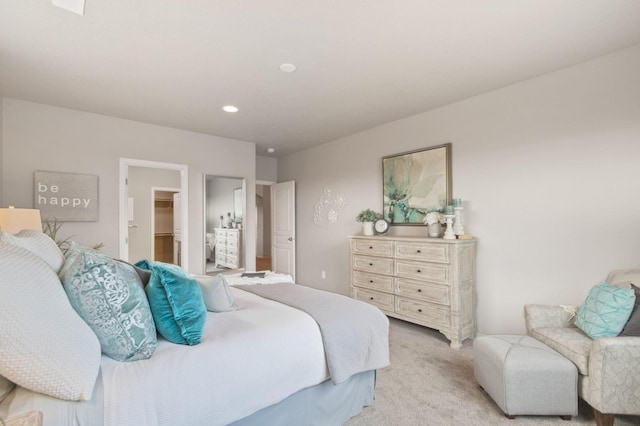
x,y
109,297
605,311
176,303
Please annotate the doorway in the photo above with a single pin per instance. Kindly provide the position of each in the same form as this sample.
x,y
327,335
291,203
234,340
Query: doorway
x,y
137,178
263,229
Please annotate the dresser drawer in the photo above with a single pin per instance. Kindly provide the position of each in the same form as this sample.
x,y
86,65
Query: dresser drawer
x,y
423,251
373,247
220,241
422,271
380,265
221,259
220,233
232,243
423,311
430,292
378,282
381,300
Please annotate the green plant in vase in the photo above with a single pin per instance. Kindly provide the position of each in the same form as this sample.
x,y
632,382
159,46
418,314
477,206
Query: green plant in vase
x,y
367,217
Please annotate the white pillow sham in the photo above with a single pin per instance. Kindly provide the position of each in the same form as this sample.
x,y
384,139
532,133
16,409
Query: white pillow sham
x,y
44,345
37,243
216,293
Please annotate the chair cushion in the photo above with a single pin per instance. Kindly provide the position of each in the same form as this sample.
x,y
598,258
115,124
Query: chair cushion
x,y
632,327
605,311
571,342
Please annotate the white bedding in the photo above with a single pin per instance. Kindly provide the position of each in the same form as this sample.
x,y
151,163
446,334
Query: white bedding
x,y
248,359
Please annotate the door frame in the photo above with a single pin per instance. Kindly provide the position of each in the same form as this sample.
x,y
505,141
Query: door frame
x,y
123,222
155,189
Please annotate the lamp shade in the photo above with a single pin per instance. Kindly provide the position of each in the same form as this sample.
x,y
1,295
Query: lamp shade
x,y
14,220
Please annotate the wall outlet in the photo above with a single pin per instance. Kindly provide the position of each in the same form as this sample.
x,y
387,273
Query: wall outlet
x,y
323,275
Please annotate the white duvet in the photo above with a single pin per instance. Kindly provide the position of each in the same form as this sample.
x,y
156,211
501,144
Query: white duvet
x,y
248,359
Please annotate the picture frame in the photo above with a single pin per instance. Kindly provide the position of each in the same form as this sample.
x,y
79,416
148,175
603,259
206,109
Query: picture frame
x,y
415,183
66,197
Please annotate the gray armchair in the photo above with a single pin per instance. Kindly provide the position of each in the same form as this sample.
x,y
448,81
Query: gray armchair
x,y
608,368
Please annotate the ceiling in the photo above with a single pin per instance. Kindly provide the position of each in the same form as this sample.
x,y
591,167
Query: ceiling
x,y
359,63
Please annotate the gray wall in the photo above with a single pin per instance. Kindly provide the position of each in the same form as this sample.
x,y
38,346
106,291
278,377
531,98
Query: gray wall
x,y
42,137
266,169
548,169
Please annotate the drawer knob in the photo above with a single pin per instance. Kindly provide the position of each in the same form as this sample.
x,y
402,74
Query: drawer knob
x,y
371,281
419,271
370,247
419,290
371,298
371,264
419,251
419,310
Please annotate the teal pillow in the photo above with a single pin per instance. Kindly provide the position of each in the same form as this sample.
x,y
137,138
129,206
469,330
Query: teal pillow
x,y
176,303
605,311
108,296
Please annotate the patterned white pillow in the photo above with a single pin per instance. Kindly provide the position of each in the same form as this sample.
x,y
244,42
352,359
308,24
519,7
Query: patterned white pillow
x,y
37,243
44,345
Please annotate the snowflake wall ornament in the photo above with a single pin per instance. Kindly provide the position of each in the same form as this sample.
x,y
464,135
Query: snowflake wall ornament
x,y
328,206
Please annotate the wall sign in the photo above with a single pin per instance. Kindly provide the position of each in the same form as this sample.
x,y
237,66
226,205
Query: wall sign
x,y
66,197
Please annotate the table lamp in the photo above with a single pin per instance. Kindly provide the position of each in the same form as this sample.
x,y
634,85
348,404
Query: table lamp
x,y
14,220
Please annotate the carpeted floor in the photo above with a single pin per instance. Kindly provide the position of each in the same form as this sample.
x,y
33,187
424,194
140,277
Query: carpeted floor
x,y
429,383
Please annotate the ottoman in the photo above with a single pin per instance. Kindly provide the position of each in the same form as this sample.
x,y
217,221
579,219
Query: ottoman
x,y
525,376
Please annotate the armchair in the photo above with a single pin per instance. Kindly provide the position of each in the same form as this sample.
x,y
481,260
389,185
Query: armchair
x,y
608,368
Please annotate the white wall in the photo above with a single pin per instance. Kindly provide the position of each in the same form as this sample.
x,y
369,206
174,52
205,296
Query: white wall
x,y
549,171
266,169
42,137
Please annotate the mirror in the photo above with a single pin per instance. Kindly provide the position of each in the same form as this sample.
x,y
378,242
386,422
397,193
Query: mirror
x,y
224,239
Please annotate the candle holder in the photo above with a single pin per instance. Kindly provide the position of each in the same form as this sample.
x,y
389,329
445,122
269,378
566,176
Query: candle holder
x,y
449,234
458,226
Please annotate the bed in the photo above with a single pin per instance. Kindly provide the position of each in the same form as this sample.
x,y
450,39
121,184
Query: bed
x,y
265,362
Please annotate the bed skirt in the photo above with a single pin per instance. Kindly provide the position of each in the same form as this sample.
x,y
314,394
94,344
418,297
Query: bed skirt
x,y
320,405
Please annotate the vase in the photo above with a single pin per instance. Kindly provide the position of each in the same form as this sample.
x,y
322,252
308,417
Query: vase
x,y
434,230
367,228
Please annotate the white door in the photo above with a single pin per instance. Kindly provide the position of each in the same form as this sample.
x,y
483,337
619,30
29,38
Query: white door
x,y
283,220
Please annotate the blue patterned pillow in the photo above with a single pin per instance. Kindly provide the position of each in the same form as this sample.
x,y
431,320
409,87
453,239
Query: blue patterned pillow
x,y
109,297
605,311
176,303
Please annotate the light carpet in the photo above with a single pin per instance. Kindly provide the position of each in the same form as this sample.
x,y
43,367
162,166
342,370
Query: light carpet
x,y
429,383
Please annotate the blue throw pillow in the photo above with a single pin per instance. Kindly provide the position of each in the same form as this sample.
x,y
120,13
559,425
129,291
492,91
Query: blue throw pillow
x,y
109,297
605,311
176,303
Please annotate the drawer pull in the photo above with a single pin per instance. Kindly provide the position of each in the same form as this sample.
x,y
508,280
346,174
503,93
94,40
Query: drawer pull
x,y
419,290
419,271
371,298
371,281
371,264
419,310
419,251
370,247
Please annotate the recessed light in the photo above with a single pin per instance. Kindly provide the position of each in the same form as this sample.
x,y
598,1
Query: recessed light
x,y
287,68
271,150
229,108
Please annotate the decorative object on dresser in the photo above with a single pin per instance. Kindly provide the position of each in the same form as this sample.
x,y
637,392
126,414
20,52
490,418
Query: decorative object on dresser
x,y
228,247
426,281
434,221
367,217
415,182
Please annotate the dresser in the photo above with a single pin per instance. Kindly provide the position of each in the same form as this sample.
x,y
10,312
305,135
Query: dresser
x,y
228,247
426,281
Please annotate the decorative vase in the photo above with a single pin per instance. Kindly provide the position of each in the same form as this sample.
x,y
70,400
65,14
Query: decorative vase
x,y
433,230
367,228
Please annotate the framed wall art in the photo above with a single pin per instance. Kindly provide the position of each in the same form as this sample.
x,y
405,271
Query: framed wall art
x,y
66,197
415,183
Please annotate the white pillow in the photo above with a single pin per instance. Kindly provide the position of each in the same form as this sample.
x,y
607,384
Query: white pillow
x,y
216,293
37,243
44,345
